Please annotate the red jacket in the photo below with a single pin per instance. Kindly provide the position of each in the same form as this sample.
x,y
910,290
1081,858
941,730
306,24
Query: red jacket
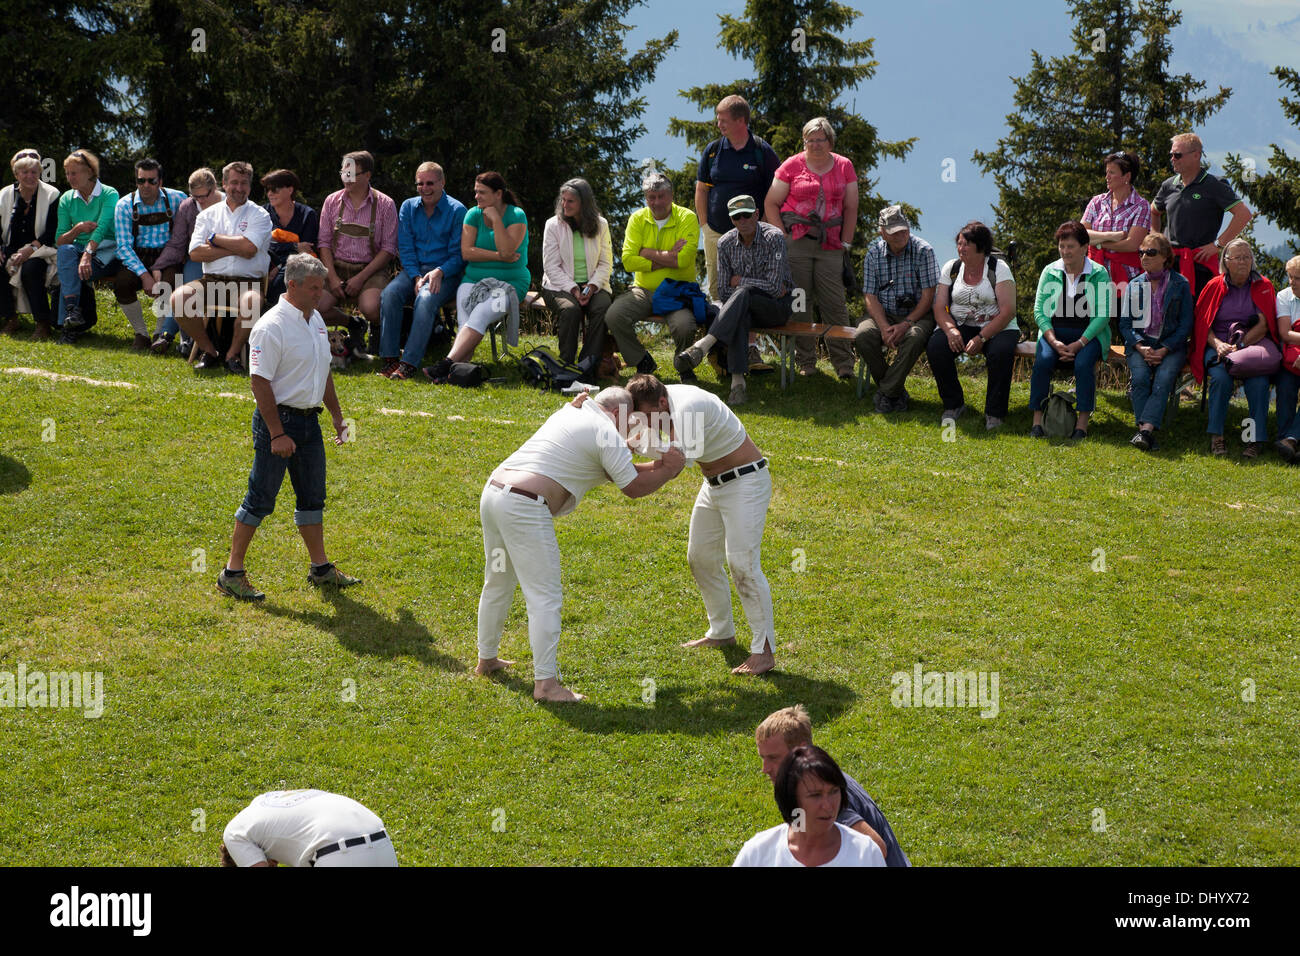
x,y
1207,307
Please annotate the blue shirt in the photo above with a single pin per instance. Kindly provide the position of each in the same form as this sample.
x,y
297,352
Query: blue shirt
x,y
425,242
147,237
859,806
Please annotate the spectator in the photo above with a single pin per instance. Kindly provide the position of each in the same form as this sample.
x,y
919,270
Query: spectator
x,y
357,242
1118,220
898,281
1195,203
814,197
203,193
788,728
975,309
231,239
429,228
1288,378
756,289
809,791
1237,309
86,242
494,245
577,261
1072,308
29,215
737,163
145,216
1155,323
659,244
295,227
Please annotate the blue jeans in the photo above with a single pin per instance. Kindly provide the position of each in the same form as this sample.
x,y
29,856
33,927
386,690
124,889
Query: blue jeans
x,y
1288,392
1151,387
397,295
1085,370
193,270
1222,385
67,259
306,467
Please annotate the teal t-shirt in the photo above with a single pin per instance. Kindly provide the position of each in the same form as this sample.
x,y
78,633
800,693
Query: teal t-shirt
x,y
516,273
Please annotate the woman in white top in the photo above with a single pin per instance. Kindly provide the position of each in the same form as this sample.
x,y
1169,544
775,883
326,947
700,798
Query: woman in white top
x,y
577,261
809,789
975,313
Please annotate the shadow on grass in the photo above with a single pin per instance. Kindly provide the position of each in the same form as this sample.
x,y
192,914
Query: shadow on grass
x,y
14,476
363,630
738,707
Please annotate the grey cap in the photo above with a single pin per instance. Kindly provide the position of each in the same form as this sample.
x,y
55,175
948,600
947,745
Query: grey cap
x,y
892,219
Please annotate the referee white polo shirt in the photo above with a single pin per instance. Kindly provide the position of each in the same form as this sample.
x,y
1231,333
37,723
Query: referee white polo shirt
x,y
291,353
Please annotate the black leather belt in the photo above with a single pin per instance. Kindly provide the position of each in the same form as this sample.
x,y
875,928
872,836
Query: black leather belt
x,y
351,841
301,412
726,476
515,491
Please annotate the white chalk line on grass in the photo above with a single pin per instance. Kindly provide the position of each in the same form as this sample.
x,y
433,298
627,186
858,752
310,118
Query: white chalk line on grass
x,y
60,377
450,418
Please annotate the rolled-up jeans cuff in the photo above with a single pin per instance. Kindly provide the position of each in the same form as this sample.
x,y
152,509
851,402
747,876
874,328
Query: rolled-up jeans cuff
x,y
301,518
244,516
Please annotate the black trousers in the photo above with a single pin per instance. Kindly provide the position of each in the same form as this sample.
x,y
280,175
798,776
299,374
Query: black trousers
x,y
999,357
32,276
747,308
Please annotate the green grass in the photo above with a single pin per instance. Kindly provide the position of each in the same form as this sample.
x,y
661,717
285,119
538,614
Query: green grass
x,y
1119,690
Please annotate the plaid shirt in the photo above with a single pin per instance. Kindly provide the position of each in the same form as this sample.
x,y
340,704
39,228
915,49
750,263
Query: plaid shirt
x,y
889,277
149,237
1134,211
763,265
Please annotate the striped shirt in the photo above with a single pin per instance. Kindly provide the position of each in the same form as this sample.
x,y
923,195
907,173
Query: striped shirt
x,y
1101,217
891,277
762,265
355,248
146,237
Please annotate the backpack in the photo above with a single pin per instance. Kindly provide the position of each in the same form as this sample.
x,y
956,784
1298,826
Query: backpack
x,y
1059,416
990,268
543,368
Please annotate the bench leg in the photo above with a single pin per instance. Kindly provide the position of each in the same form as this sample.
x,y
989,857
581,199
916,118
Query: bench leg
x,y
787,360
862,376
492,331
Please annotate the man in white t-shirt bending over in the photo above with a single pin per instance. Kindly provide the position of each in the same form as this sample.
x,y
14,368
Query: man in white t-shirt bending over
x,y
579,447
729,515
306,828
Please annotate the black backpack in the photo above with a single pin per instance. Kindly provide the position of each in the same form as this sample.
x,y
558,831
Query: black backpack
x,y
543,368
990,269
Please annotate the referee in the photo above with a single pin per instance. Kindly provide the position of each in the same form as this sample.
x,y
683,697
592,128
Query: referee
x,y
289,359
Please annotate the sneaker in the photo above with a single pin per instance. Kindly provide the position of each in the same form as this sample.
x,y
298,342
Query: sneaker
x,y
402,372
1078,435
1141,439
72,321
1218,446
883,403
235,367
389,367
237,586
141,343
1286,449
69,336
952,414
1251,450
903,402
185,346
332,577
160,344
687,360
1037,432
992,423
647,365
738,395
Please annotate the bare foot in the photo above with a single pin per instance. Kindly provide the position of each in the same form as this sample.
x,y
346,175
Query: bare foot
x,y
711,642
756,664
486,667
553,690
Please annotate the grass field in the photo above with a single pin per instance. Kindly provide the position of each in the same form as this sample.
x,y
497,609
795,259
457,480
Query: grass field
x,y
1124,692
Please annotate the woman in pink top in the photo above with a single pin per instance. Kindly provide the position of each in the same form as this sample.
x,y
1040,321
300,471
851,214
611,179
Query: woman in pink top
x,y
814,198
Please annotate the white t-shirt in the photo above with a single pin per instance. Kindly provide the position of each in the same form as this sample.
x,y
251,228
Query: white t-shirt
x,y
974,305
707,430
1288,310
288,826
770,848
291,353
250,221
578,448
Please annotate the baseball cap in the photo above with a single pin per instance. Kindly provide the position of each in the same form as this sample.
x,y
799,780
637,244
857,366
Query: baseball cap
x,y
892,219
740,204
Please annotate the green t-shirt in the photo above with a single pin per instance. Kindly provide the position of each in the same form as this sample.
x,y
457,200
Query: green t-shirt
x,y
579,259
516,273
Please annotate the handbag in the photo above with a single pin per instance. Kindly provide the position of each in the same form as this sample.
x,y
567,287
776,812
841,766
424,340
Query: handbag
x,y
1262,358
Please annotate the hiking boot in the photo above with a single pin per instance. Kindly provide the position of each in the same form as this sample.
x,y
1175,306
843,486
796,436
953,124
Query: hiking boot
x,y
1286,449
390,366
72,321
140,343
331,577
1218,446
42,333
1251,450
903,402
11,327
237,586
883,402
952,414
687,360
738,395
161,344
403,371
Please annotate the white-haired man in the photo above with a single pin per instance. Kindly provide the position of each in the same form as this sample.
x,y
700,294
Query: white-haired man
x,y
578,448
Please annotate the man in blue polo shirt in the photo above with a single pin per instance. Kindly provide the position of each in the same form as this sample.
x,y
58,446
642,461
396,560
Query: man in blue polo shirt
x,y
428,244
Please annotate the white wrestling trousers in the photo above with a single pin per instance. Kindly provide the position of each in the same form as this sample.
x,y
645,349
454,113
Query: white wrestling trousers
x,y
519,546
728,521
380,853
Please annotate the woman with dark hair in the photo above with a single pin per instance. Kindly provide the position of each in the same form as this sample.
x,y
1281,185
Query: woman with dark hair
x,y
577,261
494,245
809,789
1155,323
294,227
1072,309
1118,220
975,310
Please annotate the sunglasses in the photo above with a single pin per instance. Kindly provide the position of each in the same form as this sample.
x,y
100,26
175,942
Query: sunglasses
x,y
1178,155
742,215
28,154
1149,252
201,195
142,181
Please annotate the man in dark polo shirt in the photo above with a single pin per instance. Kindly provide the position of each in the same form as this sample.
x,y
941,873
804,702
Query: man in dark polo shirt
x,y
1195,202
738,163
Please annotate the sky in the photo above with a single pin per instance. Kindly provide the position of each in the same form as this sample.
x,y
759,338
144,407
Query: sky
x,y
944,76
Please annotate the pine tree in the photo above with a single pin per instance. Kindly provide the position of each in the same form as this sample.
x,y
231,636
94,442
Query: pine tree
x,y
1276,194
1113,93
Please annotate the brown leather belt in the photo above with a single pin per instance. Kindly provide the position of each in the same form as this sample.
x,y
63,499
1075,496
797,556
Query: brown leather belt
x,y
516,491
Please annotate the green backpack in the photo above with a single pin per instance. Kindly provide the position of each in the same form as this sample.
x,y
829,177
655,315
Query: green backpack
x,y
1059,416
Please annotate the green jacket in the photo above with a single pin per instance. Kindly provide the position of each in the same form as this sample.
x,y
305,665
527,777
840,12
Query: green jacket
x,y
1051,285
642,233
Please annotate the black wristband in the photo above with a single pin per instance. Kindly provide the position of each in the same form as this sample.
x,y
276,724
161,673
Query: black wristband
x,y
274,437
